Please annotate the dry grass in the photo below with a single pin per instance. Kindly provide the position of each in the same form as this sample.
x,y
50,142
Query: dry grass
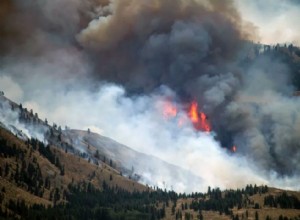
x,y
263,212
16,193
206,214
77,170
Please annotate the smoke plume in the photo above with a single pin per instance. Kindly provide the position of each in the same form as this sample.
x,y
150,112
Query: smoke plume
x,y
107,65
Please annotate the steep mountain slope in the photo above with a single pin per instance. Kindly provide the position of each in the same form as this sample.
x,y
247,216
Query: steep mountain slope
x,y
39,174
32,174
142,167
94,148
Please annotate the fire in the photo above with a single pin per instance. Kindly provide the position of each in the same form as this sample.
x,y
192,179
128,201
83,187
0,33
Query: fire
x,y
193,115
169,110
199,119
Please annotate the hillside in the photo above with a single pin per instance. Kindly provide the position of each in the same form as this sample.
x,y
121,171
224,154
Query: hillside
x,y
252,202
30,177
74,174
39,174
149,110
93,147
141,167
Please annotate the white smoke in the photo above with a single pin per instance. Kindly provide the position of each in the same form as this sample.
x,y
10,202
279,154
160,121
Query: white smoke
x,y
281,25
188,45
9,119
12,90
138,122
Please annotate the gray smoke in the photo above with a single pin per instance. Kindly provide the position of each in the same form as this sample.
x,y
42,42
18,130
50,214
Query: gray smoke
x,y
143,45
9,119
104,65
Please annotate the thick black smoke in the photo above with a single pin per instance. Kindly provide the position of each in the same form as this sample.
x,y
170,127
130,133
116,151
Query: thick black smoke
x,y
143,45
199,49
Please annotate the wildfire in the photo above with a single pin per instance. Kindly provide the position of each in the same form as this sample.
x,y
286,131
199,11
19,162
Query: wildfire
x,y
198,119
193,112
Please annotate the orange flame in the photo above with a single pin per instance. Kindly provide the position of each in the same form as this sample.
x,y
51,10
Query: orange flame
x,y
199,119
193,113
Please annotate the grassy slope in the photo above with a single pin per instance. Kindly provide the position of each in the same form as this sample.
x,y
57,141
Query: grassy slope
x,y
263,212
79,170
76,170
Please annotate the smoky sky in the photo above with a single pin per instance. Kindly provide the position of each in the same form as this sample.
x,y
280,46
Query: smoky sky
x,y
200,50
276,20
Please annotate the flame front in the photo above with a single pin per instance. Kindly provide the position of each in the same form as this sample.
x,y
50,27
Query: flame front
x,y
199,119
193,113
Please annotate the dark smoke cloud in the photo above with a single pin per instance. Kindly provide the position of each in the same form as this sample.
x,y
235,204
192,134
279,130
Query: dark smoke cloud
x,y
143,45
34,28
59,52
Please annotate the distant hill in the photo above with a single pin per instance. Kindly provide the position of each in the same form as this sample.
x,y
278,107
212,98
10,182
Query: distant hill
x,y
252,202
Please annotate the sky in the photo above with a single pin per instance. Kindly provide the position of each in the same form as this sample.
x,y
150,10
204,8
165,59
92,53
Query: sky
x,y
276,20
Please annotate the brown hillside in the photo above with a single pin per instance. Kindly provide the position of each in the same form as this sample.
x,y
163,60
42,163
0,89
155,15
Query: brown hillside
x,y
263,211
76,170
